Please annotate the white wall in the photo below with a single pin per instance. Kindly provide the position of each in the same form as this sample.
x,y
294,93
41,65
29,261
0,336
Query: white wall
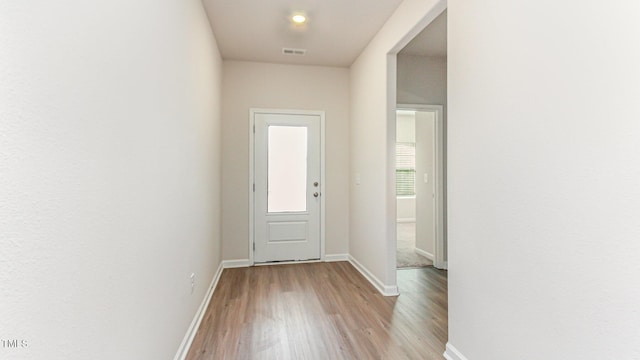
x,y
544,169
406,208
425,191
109,176
261,85
372,239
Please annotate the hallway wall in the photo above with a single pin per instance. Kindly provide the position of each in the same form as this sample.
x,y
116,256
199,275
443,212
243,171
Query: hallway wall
x,y
372,239
425,191
109,176
544,169
261,85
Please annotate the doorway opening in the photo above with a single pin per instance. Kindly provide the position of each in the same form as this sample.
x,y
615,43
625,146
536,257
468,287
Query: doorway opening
x,y
417,185
421,100
417,65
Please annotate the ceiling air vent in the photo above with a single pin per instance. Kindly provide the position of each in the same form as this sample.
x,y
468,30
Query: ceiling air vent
x,y
297,52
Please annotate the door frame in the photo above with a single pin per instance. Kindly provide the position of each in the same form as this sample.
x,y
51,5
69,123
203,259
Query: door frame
x,y
251,188
439,261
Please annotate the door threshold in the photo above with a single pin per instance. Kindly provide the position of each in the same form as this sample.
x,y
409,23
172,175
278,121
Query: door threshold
x,y
288,262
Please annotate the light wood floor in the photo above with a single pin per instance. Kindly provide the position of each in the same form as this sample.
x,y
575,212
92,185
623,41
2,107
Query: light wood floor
x,y
322,311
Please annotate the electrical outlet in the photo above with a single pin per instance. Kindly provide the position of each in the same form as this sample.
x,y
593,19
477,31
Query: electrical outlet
x,y
193,281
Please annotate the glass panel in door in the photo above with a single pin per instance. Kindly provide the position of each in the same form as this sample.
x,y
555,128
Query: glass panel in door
x,y
287,169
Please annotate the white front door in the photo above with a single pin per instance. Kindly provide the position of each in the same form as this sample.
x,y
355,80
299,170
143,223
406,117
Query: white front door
x,y
287,175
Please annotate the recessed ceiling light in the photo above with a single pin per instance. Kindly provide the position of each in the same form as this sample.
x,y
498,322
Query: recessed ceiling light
x,y
299,19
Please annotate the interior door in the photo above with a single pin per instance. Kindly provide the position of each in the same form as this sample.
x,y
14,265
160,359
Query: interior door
x,y
287,178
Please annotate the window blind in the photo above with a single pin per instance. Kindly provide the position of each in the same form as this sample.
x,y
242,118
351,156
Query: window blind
x,y
405,169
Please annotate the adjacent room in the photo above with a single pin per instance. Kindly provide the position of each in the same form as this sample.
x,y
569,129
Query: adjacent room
x,y
415,188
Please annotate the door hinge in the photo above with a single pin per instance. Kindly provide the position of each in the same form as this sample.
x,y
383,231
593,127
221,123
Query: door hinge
x,y
254,246
254,187
254,128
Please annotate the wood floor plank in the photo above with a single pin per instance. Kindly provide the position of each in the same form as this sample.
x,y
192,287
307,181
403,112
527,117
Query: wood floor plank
x,y
322,311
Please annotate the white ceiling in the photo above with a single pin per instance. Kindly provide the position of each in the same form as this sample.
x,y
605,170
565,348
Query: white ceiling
x,y
432,41
336,33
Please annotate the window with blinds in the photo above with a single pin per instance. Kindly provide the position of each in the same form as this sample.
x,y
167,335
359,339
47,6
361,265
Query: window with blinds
x,y
405,169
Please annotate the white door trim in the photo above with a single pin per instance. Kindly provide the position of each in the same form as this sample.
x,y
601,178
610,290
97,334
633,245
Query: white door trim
x,y
439,261
252,112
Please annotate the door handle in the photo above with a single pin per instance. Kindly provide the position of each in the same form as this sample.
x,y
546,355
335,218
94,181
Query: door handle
x,y
315,194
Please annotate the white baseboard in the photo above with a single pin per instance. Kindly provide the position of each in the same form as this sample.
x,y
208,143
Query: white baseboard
x,y
336,257
453,354
230,264
385,290
425,254
197,319
406,220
